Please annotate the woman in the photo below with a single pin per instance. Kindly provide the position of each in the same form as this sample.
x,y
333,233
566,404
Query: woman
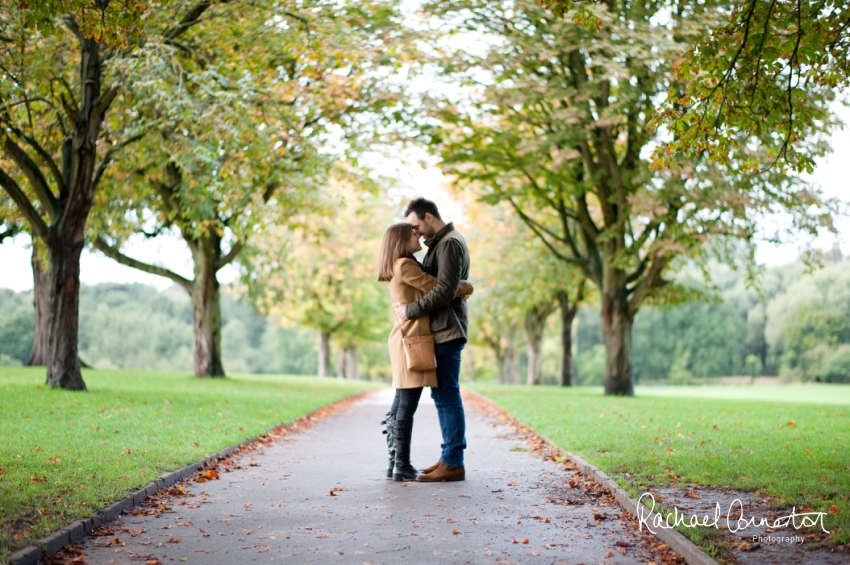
x,y
407,283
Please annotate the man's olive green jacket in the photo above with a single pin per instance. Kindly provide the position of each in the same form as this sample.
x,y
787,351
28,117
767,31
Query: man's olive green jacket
x,y
448,260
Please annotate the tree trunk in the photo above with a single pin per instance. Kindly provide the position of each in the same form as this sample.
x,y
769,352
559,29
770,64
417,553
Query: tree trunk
x,y
534,324
41,302
324,353
511,361
500,364
63,368
617,338
569,309
352,363
567,317
206,309
67,235
340,364
535,362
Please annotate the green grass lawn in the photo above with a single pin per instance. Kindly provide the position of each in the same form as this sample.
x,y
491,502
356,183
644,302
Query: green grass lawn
x,y
795,451
66,454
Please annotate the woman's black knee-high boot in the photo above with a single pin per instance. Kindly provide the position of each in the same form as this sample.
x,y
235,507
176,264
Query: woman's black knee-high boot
x,y
404,471
389,422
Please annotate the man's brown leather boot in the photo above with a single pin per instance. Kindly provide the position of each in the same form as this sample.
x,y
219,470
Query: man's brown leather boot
x,y
433,467
443,473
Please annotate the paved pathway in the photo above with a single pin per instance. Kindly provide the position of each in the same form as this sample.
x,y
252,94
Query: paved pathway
x,y
281,510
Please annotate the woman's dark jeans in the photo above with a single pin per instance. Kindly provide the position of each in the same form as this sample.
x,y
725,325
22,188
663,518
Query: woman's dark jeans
x,y
405,403
449,405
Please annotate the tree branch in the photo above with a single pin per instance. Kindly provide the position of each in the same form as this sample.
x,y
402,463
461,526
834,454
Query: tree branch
x,y
653,280
101,105
101,168
39,228
192,17
33,174
533,225
231,255
46,157
113,252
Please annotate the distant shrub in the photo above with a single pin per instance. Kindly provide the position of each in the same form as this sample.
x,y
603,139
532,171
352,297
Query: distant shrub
x,y
9,361
835,367
590,366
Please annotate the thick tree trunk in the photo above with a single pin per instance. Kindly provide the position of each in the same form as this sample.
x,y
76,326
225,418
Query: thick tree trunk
x,y
63,368
617,338
206,309
41,302
67,235
324,353
352,363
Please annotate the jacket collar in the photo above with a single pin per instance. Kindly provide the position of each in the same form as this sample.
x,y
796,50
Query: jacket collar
x,y
439,235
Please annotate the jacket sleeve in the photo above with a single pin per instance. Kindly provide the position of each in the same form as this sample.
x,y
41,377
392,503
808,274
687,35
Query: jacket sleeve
x,y
448,281
411,274
465,288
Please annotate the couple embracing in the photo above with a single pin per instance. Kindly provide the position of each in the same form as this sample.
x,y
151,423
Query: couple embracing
x,y
430,331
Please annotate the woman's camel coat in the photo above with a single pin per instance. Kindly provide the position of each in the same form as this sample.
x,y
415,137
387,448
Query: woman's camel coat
x,y
409,284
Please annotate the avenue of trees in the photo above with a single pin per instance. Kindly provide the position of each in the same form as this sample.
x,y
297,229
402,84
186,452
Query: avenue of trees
x,y
611,157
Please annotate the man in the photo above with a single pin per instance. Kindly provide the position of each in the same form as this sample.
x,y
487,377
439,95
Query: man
x,y
448,260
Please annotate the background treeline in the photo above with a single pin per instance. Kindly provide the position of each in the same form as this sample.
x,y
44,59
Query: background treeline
x,y
797,326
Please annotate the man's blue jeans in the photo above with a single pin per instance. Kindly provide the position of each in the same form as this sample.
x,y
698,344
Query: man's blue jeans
x,y
449,405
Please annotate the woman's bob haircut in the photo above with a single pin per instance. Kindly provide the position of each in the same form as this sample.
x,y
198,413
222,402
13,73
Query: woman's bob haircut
x,y
393,248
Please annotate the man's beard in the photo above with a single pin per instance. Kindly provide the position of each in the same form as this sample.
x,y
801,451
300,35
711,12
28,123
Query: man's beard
x,y
428,232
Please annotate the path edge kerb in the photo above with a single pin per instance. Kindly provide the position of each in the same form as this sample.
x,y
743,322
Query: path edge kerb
x,y
691,552
79,529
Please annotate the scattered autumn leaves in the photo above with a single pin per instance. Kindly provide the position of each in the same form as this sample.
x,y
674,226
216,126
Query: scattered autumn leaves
x,y
580,489
163,500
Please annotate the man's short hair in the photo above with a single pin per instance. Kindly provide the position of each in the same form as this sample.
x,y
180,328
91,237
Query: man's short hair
x,y
422,206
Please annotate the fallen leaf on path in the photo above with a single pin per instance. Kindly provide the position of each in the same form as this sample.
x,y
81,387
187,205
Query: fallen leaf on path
x,y
455,532
609,554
